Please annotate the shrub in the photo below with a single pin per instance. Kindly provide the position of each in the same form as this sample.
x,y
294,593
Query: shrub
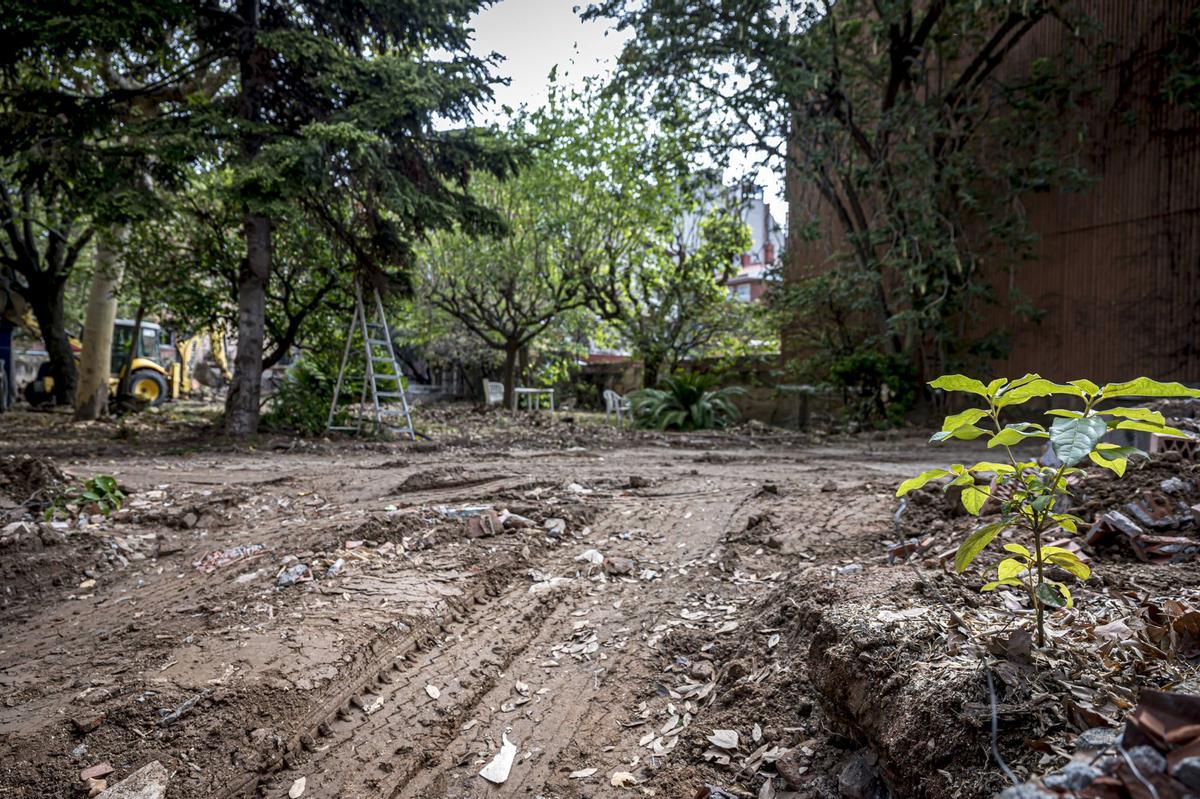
x,y
686,402
1030,495
301,402
875,386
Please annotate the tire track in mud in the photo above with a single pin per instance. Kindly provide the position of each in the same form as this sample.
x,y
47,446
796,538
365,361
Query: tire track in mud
x,y
390,738
388,730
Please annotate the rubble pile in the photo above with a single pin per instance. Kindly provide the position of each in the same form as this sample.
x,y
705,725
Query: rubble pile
x,y
1156,755
1150,524
28,482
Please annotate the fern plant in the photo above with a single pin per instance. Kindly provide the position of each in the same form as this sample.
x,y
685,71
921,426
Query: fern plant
x,y
686,402
1030,495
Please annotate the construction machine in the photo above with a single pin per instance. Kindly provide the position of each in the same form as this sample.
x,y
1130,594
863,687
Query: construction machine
x,y
145,378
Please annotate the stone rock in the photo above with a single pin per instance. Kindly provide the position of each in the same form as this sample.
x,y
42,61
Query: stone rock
x,y
94,771
1187,771
1026,791
1148,760
95,786
792,767
148,782
859,779
168,546
1072,777
292,575
619,566
86,722
1097,739
50,536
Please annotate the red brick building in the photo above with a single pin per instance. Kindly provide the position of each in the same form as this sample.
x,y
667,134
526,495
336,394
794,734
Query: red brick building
x,y
1116,271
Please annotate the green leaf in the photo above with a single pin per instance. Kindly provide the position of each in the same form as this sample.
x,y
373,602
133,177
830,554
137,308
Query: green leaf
x,y
964,479
1054,595
1145,387
1064,413
1087,385
973,498
1138,414
914,483
997,583
106,483
1115,465
1070,562
1107,450
1065,521
1161,429
969,549
957,420
1073,439
1018,549
1011,567
993,467
968,432
1013,434
1035,388
1043,503
996,385
960,383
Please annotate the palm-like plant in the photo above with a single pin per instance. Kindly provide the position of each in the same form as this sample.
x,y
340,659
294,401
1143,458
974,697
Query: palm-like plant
x,y
686,402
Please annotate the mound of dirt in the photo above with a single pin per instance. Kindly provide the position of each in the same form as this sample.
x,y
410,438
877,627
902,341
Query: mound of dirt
x,y
29,480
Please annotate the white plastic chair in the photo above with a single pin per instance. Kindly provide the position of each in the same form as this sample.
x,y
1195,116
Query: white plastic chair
x,y
615,403
493,392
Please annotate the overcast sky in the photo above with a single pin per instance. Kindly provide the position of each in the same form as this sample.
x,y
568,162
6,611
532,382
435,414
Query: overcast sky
x,y
535,35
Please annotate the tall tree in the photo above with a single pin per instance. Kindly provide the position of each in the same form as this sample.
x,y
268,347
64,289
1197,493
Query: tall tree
x,y
45,234
669,300
904,117
335,112
76,85
506,290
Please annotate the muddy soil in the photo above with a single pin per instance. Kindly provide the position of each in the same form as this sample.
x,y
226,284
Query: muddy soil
x,y
638,614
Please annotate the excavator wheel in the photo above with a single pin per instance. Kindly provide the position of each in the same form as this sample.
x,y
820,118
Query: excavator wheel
x,y
148,386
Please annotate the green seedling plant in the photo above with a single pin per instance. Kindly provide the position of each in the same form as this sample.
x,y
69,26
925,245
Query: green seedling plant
x,y
1030,496
101,491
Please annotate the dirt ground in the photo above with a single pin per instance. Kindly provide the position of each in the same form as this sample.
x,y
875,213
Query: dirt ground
x,y
638,614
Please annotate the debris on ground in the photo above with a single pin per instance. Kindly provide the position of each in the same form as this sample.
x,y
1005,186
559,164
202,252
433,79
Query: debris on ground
x,y
498,769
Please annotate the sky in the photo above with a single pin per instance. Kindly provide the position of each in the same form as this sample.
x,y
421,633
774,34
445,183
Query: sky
x,y
535,35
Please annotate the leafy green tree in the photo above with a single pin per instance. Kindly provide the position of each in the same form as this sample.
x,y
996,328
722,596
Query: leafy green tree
x,y
334,112
81,91
904,118
506,290
667,299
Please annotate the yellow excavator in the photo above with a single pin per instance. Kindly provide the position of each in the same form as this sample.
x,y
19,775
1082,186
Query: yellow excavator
x,y
144,378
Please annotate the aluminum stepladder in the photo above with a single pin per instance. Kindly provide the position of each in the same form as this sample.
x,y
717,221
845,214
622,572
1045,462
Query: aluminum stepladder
x,y
377,350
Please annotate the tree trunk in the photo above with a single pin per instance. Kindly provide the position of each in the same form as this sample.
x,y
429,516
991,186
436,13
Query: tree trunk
x,y
95,358
241,406
651,366
510,373
523,365
47,304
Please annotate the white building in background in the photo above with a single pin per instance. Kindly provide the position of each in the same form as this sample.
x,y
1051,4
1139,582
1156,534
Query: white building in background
x,y
766,242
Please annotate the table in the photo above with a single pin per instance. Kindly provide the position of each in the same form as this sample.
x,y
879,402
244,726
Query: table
x,y
530,394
